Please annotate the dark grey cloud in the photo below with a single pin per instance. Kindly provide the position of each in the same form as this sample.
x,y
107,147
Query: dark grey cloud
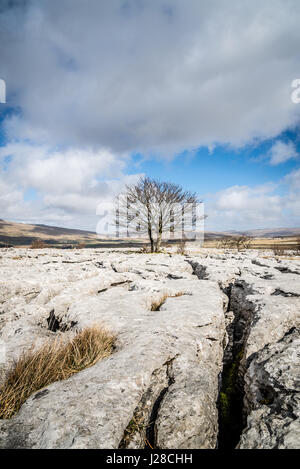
x,y
150,75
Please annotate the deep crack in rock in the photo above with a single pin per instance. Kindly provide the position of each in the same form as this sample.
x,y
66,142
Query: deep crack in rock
x,y
141,430
232,417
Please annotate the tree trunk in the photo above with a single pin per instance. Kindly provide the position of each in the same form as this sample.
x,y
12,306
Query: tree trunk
x,y
150,228
159,235
158,243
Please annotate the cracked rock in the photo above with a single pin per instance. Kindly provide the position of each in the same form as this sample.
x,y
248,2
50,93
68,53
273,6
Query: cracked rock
x,y
161,385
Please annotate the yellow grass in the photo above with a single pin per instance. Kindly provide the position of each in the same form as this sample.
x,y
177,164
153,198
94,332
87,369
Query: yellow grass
x,y
156,304
289,242
54,361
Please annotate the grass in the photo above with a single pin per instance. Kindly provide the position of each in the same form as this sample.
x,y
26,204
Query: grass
x,y
156,304
53,361
136,425
287,243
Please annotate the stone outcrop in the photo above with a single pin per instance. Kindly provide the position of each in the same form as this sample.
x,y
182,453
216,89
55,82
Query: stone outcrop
x,y
180,321
263,340
272,399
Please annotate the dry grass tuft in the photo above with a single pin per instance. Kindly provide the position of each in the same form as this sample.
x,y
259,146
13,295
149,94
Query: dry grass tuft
x,y
156,304
145,250
54,361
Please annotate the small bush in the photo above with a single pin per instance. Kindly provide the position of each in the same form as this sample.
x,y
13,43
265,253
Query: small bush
x,y
181,247
54,361
225,243
80,246
235,242
38,244
278,250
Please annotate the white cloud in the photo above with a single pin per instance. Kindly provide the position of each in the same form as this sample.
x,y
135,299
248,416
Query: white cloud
x,y
151,76
282,152
244,207
293,179
69,184
293,197
10,198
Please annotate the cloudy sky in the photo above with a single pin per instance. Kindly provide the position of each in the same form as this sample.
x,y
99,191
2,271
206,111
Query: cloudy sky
x,y
197,92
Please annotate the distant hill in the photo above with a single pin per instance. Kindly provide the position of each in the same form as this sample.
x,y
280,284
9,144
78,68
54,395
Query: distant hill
x,y
269,233
274,232
22,234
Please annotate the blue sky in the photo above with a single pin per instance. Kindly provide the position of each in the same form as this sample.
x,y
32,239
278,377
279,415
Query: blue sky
x,y
205,171
198,94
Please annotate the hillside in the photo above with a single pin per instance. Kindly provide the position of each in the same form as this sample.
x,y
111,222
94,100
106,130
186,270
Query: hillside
x,y
259,233
270,232
22,234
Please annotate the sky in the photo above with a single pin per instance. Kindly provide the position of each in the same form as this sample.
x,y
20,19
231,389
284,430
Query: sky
x,y
194,92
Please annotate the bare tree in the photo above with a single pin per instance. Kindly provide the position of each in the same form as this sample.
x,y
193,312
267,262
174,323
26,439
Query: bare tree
x,y
241,242
155,208
237,242
225,242
278,250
